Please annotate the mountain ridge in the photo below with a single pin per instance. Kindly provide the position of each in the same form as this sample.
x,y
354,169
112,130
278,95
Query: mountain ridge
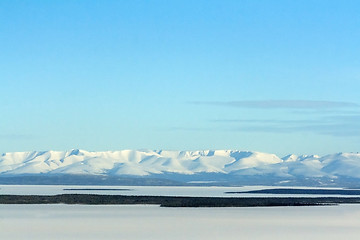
x,y
230,164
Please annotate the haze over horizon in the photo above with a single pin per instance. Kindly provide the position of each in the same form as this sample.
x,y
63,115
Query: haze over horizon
x,y
278,77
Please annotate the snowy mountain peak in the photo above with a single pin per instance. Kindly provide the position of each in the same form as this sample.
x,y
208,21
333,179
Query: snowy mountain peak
x,y
290,158
148,162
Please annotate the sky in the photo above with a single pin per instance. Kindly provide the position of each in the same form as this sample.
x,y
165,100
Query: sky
x,y
270,76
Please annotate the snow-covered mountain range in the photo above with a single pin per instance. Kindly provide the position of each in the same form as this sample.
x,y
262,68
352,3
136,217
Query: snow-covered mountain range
x,y
147,163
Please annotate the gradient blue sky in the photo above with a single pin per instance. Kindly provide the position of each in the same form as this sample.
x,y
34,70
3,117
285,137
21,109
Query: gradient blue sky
x,y
272,76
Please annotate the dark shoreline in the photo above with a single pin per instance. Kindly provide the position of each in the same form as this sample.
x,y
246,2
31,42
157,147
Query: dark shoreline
x,y
294,191
97,189
169,201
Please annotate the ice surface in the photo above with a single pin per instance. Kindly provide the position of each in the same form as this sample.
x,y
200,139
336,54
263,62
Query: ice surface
x,y
152,222
149,191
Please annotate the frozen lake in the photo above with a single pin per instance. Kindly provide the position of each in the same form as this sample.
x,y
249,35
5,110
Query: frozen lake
x,y
146,190
152,222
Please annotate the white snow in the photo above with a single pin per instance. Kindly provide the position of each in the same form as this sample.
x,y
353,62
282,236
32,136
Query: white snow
x,y
189,191
147,162
152,222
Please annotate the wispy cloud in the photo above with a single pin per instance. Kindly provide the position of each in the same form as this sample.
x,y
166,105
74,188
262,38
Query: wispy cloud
x,y
265,121
15,136
191,129
346,118
281,104
335,129
332,118
330,125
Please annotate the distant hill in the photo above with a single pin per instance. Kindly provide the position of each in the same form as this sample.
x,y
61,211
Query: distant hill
x,y
210,167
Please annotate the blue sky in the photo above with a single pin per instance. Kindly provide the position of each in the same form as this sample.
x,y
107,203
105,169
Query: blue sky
x,y
271,76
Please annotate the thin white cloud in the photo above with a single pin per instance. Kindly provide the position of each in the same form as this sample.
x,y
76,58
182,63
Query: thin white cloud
x,y
335,129
282,104
265,121
15,136
341,118
331,125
